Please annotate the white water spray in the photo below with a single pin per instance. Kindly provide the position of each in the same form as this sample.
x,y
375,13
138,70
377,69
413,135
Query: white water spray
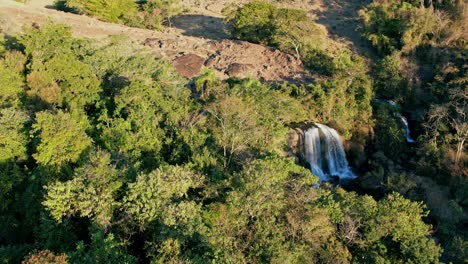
x,y
409,139
313,153
327,159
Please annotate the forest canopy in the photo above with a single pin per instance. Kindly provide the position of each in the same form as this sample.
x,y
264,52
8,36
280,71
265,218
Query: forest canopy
x,y
108,155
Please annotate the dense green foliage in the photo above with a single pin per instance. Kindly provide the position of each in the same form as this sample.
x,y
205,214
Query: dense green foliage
x,y
423,69
108,157
113,10
287,29
146,14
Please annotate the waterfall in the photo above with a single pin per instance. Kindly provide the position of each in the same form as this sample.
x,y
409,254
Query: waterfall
x,y
313,153
392,103
409,139
325,153
403,119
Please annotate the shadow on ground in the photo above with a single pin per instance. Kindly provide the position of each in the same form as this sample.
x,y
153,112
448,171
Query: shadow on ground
x,y
201,26
341,18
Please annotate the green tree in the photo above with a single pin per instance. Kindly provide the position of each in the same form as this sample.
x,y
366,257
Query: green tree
x,y
62,138
65,82
254,22
161,203
102,249
108,10
162,195
91,193
55,75
235,126
396,25
389,133
41,44
11,78
271,216
294,31
13,136
248,118
391,229
343,100
390,82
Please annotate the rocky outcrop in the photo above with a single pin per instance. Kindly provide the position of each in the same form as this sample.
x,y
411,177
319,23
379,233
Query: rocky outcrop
x,y
189,65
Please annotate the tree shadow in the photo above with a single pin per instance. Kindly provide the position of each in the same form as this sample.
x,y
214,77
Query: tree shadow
x,y
201,26
12,43
341,19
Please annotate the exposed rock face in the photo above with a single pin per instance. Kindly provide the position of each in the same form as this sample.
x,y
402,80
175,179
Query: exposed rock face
x,y
241,59
295,141
189,65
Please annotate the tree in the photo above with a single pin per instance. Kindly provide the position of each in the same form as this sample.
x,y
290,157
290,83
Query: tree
x,y
161,203
107,10
295,31
390,82
62,138
11,78
136,127
55,75
249,117
163,195
41,44
65,82
271,216
13,137
102,249
207,83
235,126
389,136
396,25
163,9
91,193
388,230
254,22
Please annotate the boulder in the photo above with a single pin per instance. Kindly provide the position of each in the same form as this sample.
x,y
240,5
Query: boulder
x,y
189,65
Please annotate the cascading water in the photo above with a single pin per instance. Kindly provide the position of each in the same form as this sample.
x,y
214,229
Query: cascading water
x,y
403,119
327,159
313,153
409,139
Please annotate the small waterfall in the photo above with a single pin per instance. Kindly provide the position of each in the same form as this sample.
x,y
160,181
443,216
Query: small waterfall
x,y
409,139
327,159
392,103
403,119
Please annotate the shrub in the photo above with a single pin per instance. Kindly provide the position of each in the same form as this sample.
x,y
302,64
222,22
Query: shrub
x,y
391,26
107,10
254,22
